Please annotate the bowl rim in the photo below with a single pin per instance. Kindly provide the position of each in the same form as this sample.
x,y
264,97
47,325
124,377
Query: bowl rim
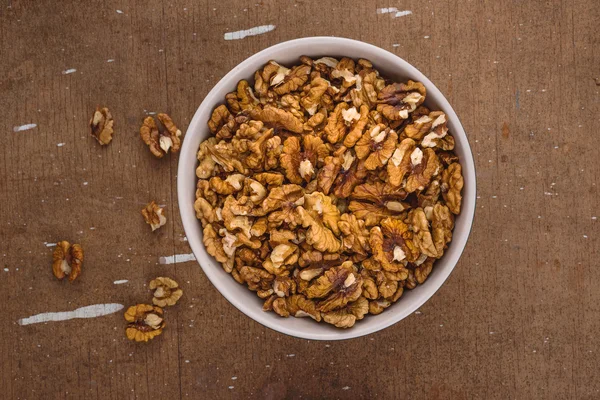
x,y
186,210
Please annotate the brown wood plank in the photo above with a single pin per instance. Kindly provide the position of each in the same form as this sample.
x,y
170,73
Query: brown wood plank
x,y
518,316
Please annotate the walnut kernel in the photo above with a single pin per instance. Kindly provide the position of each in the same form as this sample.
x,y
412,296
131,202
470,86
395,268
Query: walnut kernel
x,y
67,260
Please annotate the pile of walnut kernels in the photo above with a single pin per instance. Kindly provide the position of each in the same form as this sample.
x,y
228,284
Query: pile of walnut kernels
x,y
326,189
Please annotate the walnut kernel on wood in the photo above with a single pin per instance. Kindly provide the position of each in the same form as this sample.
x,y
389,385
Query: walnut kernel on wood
x,y
144,322
162,137
67,260
154,215
101,125
327,189
166,291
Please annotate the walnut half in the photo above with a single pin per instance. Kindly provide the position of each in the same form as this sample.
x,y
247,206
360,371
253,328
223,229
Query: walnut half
x,y
154,215
161,139
145,322
102,125
166,291
67,260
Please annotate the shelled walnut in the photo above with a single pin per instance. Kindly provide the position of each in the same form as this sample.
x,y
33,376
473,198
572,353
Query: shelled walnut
x,y
101,125
166,291
327,189
144,322
154,215
67,260
162,137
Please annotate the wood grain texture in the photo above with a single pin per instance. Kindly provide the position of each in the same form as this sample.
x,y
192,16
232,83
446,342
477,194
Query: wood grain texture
x,y
518,318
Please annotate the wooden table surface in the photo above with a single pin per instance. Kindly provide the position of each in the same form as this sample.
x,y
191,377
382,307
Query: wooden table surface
x,y
518,318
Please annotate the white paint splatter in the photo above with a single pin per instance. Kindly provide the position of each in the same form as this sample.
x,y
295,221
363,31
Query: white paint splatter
x,y
230,387
93,311
177,258
396,45
120,281
85,183
346,388
6,270
402,13
233,378
69,71
387,10
48,244
119,12
25,127
257,30
184,239
60,144
110,60
425,37
393,10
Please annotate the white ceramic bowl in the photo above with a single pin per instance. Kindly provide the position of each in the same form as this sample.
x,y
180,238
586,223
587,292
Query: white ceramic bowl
x,y
390,66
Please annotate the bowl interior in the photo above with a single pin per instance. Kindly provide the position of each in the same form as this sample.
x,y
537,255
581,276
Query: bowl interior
x,y
246,301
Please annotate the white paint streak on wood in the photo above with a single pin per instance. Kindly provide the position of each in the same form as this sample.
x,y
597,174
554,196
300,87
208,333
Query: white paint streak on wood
x,y
177,258
402,13
69,71
25,127
93,311
120,281
257,30
393,10
110,60
50,244
119,12
60,144
387,10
